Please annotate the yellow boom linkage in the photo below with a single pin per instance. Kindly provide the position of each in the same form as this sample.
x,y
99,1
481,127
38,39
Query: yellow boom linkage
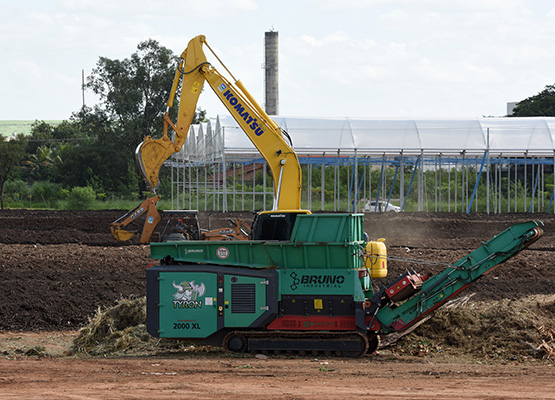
x,y
193,70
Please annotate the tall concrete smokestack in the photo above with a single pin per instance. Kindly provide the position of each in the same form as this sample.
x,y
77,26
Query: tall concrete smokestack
x,y
271,64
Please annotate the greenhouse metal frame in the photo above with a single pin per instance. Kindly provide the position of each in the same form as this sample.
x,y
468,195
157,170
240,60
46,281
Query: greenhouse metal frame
x,y
491,165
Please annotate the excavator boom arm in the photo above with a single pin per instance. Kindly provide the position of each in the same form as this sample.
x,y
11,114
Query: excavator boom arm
x,y
148,206
151,153
265,134
267,138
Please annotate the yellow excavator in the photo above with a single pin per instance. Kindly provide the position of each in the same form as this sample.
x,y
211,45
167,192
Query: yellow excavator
x,y
193,71
148,207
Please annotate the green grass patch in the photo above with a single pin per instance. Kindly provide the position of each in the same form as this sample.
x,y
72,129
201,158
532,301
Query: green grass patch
x,y
124,205
9,127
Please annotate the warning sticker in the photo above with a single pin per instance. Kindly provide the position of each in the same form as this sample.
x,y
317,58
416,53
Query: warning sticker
x,y
222,252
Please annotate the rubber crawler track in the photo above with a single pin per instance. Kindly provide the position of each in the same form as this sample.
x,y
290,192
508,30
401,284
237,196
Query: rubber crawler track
x,y
348,344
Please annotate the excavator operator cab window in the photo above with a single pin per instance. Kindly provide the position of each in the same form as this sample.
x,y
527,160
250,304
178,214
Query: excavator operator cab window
x,y
273,226
180,225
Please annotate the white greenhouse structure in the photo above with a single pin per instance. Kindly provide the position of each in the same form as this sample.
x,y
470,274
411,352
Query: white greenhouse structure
x,y
488,165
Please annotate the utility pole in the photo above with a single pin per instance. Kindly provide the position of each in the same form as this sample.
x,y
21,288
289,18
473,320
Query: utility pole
x,y
83,85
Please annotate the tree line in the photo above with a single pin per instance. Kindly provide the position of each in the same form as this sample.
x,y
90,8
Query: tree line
x,y
94,149
91,155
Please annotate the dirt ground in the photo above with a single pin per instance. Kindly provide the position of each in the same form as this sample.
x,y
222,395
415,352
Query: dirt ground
x,y
58,267
230,378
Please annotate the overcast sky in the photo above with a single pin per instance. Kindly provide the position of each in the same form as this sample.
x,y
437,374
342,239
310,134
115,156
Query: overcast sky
x,y
337,58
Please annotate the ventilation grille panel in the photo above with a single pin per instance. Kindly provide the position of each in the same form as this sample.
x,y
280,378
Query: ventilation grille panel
x,y
243,298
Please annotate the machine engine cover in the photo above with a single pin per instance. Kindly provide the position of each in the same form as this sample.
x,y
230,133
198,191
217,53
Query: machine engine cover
x,y
196,301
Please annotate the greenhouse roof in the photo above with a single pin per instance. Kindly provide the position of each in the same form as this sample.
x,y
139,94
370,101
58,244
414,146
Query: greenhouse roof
x,y
532,136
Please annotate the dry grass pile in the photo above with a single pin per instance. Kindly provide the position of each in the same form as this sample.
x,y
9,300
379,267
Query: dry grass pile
x,y
121,329
504,330
496,331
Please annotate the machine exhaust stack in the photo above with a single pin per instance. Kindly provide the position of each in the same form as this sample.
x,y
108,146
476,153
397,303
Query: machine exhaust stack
x,y
271,64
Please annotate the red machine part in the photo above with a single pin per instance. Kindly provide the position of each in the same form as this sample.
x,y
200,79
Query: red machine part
x,y
405,287
310,323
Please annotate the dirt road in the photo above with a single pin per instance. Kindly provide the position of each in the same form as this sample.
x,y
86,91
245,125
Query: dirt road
x,y
211,377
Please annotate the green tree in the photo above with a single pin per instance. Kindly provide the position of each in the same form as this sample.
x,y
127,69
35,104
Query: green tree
x,y
41,134
96,146
540,105
133,91
11,154
200,116
47,148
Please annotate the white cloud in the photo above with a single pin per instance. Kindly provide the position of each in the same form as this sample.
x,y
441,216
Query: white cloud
x,y
396,16
25,68
333,38
167,9
362,57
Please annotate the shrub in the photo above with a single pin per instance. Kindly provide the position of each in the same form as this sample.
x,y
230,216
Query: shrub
x,y
81,198
45,191
17,189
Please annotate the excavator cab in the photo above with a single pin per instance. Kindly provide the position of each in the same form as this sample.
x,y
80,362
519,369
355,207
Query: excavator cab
x,y
274,225
180,225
